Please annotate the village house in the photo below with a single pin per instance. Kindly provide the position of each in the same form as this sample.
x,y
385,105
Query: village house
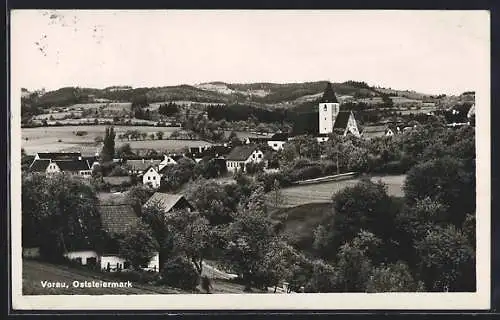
x,y
277,141
138,167
152,177
170,160
241,156
169,202
79,168
116,219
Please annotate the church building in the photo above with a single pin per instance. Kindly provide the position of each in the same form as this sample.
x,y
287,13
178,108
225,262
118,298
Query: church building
x,y
331,119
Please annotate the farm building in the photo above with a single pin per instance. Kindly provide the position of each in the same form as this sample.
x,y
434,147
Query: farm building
x,y
170,160
58,155
80,168
169,202
277,141
242,155
116,219
140,166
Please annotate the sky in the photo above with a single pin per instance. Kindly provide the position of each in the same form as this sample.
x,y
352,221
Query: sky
x,y
427,51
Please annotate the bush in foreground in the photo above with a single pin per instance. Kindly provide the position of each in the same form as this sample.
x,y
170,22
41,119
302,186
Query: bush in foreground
x,y
179,272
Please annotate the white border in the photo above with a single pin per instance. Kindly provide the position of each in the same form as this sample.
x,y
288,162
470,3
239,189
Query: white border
x,y
324,301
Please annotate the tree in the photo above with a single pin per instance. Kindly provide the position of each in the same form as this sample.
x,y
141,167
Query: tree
x,y
364,206
394,277
212,201
353,268
192,236
446,181
277,195
124,150
138,195
25,160
138,246
248,238
159,134
446,260
179,272
108,149
59,214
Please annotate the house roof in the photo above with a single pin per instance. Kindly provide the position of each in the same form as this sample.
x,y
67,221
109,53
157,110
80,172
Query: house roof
x,y
259,139
58,155
166,200
72,165
117,218
142,165
342,120
39,165
328,95
280,136
241,153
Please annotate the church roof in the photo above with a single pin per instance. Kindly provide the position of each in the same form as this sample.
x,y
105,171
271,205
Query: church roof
x,y
329,95
342,120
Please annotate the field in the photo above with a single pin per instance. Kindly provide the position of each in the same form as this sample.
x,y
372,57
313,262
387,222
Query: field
x,y
164,145
322,192
47,138
34,272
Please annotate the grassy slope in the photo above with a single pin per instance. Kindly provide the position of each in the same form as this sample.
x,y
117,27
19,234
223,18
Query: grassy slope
x,y
34,272
322,192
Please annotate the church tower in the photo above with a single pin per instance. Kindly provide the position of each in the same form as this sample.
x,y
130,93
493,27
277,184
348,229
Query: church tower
x,y
329,109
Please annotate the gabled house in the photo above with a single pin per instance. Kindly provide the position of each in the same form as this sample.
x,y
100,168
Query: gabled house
x,y
170,160
277,141
242,155
116,221
58,155
72,167
169,202
140,166
152,177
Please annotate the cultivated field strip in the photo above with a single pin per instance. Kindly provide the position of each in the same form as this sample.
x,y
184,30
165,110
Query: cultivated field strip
x,y
322,192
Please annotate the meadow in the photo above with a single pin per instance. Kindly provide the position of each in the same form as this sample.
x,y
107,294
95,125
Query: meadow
x,y
322,192
53,139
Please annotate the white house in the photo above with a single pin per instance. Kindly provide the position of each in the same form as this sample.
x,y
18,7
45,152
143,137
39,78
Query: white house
x,y
80,168
116,219
240,156
277,141
169,160
152,177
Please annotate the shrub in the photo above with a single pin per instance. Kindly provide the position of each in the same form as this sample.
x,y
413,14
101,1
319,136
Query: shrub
x,y
179,272
146,277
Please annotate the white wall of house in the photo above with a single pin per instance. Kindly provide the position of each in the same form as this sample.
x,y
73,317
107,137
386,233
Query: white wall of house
x,y
276,145
52,168
115,263
152,177
256,157
85,173
83,255
166,161
352,126
321,139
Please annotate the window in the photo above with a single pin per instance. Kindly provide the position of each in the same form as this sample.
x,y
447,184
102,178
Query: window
x,y
260,155
92,261
149,178
325,108
275,144
253,155
154,178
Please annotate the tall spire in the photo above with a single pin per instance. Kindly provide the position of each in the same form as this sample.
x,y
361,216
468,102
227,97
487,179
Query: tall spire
x,y
329,95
